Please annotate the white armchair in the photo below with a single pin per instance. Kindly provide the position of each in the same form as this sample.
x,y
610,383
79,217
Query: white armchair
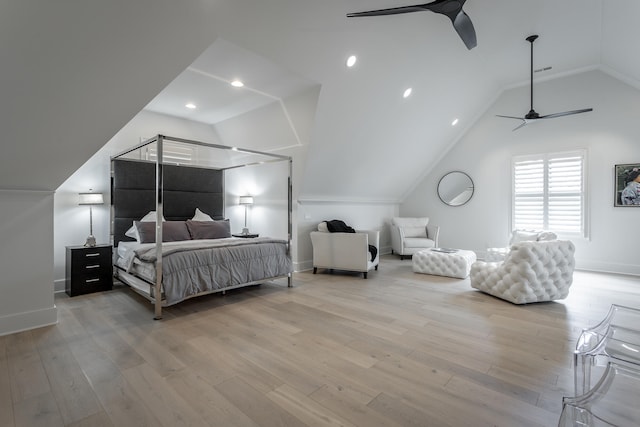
x,y
345,251
410,235
532,271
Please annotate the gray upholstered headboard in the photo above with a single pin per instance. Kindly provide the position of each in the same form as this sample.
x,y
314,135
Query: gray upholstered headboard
x,y
133,190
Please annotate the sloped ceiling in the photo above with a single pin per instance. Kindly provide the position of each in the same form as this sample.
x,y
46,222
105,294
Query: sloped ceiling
x,y
371,144
74,73
79,73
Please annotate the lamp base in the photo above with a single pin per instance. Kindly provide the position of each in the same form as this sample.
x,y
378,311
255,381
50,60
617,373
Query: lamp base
x,y
91,241
245,231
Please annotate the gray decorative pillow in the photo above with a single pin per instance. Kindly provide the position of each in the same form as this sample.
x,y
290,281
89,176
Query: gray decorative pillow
x,y
209,229
172,231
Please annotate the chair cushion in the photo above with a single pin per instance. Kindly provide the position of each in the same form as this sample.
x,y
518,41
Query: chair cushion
x,y
418,242
414,231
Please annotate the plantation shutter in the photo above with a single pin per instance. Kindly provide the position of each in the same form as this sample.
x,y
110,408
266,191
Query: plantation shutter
x,y
172,152
565,194
548,192
528,204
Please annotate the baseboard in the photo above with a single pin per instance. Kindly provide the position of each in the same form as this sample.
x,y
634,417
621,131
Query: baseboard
x,y
303,265
604,267
27,320
58,285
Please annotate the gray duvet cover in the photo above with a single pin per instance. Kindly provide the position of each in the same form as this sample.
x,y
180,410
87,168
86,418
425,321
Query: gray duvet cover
x,y
196,266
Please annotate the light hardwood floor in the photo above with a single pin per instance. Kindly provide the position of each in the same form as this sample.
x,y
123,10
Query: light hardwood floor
x,y
397,349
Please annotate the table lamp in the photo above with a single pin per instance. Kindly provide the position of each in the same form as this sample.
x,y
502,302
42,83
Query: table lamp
x,y
90,199
246,201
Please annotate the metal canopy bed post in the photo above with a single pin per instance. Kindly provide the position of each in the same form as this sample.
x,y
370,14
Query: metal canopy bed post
x,y
160,165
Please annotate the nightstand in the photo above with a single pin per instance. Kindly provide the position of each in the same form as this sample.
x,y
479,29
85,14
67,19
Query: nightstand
x,y
89,269
246,236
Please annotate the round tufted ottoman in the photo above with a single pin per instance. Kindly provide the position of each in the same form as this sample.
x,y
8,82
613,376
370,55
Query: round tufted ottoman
x,y
455,264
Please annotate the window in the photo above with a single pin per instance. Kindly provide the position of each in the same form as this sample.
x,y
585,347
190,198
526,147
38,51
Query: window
x,y
548,192
176,153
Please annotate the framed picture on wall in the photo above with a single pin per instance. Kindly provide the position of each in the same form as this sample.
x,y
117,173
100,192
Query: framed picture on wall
x,y
627,185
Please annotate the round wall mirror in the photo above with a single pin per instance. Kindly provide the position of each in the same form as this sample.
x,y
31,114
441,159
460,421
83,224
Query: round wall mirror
x,y
455,188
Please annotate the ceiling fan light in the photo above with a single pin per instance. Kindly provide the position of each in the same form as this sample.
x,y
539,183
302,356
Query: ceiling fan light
x,y
191,106
237,83
454,122
407,92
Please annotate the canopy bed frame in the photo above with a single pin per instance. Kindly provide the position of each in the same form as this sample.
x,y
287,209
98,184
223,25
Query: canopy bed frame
x,y
140,185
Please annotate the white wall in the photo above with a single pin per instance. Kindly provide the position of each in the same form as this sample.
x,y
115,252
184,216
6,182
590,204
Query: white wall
x,y
267,183
609,133
26,260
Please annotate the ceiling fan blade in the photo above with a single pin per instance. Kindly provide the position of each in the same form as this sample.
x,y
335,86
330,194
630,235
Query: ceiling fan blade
x,y
510,117
390,11
450,8
566,113
524,123
463,25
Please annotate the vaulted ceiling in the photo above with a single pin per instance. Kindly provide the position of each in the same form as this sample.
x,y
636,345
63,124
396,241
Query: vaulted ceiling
x,y
75,74
369,143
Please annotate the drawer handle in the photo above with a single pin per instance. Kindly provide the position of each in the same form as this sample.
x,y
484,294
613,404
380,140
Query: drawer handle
x,y
93,266
95,254
92,280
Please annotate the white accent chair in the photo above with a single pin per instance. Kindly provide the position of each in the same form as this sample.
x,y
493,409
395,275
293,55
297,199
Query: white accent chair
x,y
345,251
532,271
410,235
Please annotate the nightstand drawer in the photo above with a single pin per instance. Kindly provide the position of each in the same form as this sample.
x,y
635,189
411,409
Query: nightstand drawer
x,y
88,269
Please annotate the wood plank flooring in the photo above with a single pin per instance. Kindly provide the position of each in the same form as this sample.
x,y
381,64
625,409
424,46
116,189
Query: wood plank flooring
x,y
397,349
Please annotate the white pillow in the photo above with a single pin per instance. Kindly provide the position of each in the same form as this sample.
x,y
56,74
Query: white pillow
x,y
201,216
524,236
546,236
133,232
323,227
414,231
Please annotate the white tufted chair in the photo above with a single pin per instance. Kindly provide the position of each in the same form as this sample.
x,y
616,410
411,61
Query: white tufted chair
x,y
533,271
410,235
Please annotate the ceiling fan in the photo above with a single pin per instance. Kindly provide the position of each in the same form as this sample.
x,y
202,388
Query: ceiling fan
x,y
450,8
532,115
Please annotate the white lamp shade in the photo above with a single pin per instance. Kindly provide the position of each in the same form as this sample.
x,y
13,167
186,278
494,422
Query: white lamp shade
x,y
90,199
245,200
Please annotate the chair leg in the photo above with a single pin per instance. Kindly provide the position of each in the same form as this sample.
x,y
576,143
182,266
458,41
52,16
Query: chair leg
x,y
315,270
376,268
365,274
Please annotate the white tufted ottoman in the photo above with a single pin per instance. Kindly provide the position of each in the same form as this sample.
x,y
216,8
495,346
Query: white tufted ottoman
x,y
456,264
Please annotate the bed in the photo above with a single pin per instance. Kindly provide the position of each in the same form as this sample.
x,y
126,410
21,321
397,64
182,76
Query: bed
x,y
193,253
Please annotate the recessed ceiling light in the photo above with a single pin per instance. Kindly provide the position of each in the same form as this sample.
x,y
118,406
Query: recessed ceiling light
x,y
454,122
237,83
351,61
407,93
191,106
